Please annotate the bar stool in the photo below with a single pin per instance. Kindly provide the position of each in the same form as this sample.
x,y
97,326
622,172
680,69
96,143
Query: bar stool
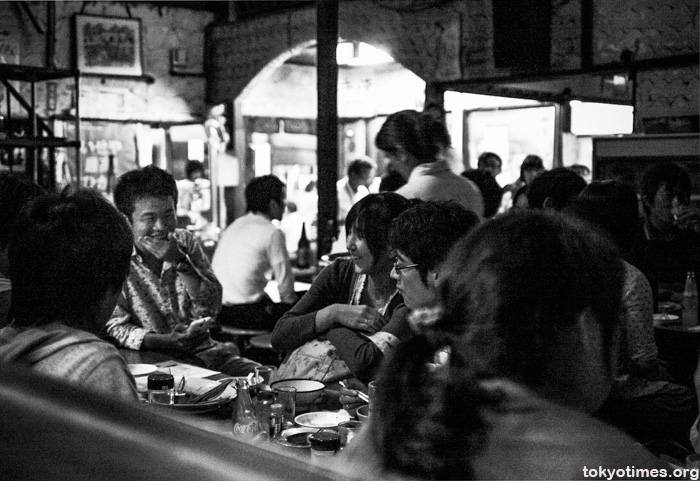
x,y
242,337
264,344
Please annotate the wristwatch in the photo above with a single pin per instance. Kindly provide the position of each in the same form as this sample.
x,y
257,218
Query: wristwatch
x,y
183,264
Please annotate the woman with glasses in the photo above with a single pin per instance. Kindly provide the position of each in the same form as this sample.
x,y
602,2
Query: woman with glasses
x,y
353,312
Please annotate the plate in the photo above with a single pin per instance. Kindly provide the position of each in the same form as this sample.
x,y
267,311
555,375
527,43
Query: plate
x,y
142,369
296,437
322,419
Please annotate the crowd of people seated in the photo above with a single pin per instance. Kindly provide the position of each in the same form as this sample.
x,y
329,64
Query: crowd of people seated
x,y
509,330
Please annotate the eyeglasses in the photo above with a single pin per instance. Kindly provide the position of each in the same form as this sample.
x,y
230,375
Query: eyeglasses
x,y
400,268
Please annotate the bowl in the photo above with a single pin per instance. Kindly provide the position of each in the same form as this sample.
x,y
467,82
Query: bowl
x,y
363,413
308,391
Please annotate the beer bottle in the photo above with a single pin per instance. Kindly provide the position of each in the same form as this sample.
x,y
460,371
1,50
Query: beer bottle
x,y
690,301
245,422
303,249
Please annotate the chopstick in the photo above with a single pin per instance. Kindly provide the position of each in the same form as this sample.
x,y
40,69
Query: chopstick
x,y
213,392
360,394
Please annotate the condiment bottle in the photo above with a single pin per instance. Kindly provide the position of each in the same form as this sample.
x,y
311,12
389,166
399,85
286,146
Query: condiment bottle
x,y
303,249
276,420
690,301
161,388
245,422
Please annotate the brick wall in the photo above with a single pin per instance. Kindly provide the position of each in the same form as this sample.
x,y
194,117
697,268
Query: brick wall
x,y
446,41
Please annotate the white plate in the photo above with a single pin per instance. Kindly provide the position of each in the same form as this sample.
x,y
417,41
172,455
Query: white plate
x,y
322,419
142,369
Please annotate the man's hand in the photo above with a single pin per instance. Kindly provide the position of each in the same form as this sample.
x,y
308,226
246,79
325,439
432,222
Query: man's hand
x,y
348,395
178,340
162,249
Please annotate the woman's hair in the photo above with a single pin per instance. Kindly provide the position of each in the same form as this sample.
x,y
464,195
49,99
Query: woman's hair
x,y
512,286
418,133
531,162
371,218
611,205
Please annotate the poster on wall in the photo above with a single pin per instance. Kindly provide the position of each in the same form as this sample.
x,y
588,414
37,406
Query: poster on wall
x,y
108,150
108,45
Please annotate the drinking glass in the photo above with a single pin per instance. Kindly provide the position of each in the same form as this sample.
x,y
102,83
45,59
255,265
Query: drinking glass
x,y
287,397
263,374
348,430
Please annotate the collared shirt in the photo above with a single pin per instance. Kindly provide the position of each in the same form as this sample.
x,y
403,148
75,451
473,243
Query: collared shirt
x,y
156,304
436,181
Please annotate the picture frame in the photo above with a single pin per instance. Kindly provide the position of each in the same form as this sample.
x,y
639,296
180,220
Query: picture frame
x,y
108,45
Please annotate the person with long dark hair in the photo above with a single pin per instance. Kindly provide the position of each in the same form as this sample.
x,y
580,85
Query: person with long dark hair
x,y
417,145
528,322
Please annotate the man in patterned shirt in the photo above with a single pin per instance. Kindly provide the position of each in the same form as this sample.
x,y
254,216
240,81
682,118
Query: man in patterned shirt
x,y
170,282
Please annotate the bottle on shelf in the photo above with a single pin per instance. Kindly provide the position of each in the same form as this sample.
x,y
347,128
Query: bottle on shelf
x,y
245,421
690,301
303,250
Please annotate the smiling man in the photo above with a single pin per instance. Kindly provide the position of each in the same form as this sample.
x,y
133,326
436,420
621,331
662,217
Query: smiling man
x,y
421,238
170,282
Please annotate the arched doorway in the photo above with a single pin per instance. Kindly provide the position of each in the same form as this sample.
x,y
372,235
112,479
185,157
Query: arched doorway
x,y
275,119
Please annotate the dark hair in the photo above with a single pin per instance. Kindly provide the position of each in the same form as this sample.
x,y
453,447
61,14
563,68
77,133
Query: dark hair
x,y
360,165
427,231
580,169
371,218
138,184
531,162
419,134
670,174
67,252
560,184
192,167
392,181
612,205
15,191
261,190
485,156
511,287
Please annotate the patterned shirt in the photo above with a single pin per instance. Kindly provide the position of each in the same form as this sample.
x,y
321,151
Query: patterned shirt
x,y
151,303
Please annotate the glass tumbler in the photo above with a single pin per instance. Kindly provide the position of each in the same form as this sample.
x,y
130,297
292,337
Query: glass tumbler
x,y
287,397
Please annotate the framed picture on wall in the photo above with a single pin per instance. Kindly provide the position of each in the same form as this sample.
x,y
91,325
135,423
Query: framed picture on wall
x,y
108,45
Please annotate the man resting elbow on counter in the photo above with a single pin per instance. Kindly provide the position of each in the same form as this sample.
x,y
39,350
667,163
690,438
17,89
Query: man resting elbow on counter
x,y
170,282
69,256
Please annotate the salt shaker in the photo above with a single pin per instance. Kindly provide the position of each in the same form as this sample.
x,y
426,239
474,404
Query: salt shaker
x,y
161,389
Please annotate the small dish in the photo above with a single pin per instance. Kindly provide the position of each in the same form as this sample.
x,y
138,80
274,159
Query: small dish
x,y
322,419
142,369
363,413
296,437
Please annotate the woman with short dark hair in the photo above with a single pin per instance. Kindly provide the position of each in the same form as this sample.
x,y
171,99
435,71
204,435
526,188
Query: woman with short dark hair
x,y
350,298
